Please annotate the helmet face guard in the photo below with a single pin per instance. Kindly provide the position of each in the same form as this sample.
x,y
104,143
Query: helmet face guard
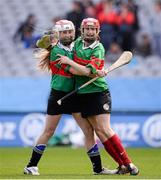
x,y
65,25
89,22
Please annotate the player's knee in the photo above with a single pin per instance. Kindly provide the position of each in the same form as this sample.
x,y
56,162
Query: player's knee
x,y
103,133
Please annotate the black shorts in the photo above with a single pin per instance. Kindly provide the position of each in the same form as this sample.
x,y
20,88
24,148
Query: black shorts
x,y
95,103
68,106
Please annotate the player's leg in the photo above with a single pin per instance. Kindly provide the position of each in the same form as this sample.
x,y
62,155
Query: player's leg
x,y
53,116
112,143
89,110
91,145
51,124
98,114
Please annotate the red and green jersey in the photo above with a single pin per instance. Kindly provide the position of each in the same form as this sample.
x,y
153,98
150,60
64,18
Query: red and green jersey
x,y
62,79
93,58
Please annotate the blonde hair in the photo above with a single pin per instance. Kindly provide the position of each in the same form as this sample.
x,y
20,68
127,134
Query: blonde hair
x,y
42,55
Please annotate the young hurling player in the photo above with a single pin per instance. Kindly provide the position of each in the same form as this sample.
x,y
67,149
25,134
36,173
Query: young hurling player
x,y
95,99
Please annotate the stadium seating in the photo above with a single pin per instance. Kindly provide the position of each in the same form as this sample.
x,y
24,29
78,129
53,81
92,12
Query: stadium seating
x,y
17,61
14,59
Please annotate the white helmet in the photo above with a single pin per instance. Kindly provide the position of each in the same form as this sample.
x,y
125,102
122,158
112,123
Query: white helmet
x,y
63,25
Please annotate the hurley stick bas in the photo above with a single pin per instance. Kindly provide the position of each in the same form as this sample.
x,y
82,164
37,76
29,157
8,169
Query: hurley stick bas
x,y
125,58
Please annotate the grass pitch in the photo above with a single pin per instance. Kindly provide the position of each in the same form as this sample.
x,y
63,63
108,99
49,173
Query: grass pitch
x,y
68,163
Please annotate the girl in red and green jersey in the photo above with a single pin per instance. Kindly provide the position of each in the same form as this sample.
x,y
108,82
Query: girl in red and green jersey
x,y
95,99
62,79
91,57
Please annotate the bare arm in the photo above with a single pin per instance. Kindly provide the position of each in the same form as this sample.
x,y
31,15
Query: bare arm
x,y
76,68
75,72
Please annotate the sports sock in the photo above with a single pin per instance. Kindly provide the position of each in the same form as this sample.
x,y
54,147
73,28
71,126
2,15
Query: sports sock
x,y
112,152
117,145
95,158
36,154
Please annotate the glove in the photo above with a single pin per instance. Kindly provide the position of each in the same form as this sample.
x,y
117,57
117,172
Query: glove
x,y
44,42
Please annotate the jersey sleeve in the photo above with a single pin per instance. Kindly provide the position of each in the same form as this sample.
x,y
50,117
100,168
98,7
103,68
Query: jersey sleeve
x,y
96,60
67,68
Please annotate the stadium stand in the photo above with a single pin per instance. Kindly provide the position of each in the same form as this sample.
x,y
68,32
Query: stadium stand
x,y
17,61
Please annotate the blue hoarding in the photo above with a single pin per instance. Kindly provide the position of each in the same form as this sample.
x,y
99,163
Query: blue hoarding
x,y
135,130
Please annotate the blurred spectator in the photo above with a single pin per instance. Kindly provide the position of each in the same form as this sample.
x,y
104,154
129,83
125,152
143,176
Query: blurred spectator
x,y
76,15
29,39
108,21
156,27
87,3
114,53
126,20
27,25
115,48
134,8
100,6
144,46
90,11
55,19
